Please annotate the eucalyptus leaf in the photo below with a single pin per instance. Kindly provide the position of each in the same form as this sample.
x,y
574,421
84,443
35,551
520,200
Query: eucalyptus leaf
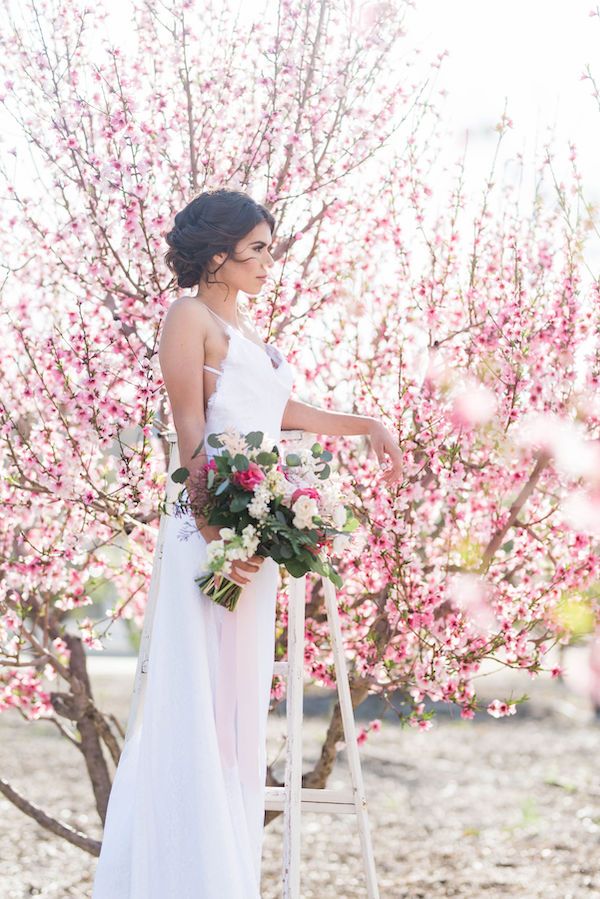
x,y
241,462
266,458
180,475
239,503
255,438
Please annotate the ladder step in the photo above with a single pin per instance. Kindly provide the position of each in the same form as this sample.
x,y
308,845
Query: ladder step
x,y
340,802
281,669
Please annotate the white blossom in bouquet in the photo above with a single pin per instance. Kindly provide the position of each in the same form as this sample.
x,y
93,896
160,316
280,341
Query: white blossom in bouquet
x,y
276,482
215,549
250,539
258,507
235,551
304,508
233,441
215,556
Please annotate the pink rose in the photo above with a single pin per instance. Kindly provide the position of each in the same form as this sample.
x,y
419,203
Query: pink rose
x,y
250,478
305,491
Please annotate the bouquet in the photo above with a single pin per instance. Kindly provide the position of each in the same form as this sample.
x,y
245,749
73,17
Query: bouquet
x,y
292,511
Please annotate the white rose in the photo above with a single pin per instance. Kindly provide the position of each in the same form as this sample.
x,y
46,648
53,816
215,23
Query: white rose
x,y
304,508
227,533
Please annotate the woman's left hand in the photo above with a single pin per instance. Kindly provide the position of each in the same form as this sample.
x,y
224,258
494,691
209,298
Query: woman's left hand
x,y
384,444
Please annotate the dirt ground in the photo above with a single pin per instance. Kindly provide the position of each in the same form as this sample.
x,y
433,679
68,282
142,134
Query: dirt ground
x,y
507,808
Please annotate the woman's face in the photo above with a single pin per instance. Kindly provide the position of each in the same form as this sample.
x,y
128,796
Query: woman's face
x,y
248,269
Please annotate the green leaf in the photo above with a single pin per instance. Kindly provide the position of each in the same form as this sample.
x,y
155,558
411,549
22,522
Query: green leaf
x,y
239,503
241,462
198,449
296,567
316,449
210,478
325,472
335,578
292,459
222,487
214,441
326,456
265,458
255,438
180,475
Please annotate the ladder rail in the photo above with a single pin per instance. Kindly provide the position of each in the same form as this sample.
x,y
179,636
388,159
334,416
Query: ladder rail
x,y
292,798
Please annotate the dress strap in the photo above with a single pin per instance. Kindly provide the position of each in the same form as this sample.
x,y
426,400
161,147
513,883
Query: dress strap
x,y
210,368
222,320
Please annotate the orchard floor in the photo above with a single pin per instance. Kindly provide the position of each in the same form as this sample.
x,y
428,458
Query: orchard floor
x,y
507,808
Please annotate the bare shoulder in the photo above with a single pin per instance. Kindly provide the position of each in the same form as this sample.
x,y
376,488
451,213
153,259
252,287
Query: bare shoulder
x,y
185,314
186,309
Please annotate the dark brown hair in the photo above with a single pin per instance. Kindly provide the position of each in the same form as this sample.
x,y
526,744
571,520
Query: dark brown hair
x,y
213,222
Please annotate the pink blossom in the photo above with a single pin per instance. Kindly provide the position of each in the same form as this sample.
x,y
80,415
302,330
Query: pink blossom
x,y
498,709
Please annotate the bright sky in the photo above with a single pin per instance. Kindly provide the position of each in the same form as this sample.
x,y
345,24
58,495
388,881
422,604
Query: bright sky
x,y
531,53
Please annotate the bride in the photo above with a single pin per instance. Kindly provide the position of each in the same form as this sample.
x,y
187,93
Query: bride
x,y
185,816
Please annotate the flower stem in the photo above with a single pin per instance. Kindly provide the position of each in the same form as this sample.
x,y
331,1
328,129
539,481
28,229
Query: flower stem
x,y
225,594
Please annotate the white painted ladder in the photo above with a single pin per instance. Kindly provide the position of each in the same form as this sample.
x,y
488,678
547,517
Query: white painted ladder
x,y
292,798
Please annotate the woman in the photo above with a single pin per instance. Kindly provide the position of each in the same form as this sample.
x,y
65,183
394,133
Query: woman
x,y
186,811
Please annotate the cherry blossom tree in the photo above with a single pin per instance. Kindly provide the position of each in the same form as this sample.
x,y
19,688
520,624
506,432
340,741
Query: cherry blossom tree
x,y
474,339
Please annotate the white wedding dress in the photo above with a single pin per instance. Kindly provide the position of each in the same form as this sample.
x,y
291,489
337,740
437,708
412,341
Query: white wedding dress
x,y
186,810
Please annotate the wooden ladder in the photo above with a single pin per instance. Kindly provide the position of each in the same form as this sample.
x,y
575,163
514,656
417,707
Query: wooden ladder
x,y
292,798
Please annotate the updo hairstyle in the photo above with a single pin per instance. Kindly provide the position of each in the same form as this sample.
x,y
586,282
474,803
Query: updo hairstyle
x,y
213,222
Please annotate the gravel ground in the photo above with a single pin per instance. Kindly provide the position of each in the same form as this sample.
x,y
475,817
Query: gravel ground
x,y
478,809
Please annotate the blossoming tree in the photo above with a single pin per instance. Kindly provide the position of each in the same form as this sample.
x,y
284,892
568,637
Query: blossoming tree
x,y
477,554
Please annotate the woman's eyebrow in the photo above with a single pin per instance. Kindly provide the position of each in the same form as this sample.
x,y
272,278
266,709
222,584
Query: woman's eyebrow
x,y
260,243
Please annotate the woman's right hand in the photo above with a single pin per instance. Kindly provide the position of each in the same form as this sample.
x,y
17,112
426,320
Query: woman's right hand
x,y
240,571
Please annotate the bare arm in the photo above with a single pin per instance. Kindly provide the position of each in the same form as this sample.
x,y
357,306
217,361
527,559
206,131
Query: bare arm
x,y
181,356
322,421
